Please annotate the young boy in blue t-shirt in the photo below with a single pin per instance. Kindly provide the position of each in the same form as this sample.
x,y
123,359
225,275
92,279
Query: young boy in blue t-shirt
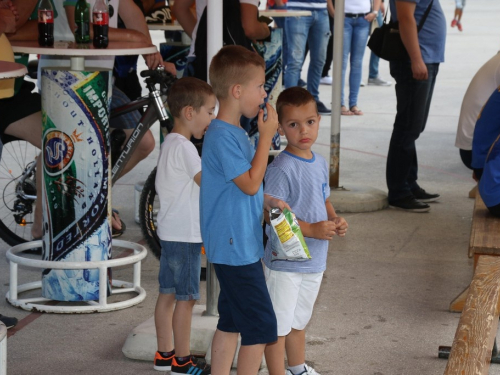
x,y
299,177
231,203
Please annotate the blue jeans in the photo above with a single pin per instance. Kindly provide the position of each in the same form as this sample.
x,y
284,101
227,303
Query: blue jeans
x,y
374,59
356,32
180,267
413,102
314,30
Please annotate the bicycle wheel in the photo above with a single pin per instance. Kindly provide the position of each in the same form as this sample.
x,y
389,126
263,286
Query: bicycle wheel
x,y
148,210
17,211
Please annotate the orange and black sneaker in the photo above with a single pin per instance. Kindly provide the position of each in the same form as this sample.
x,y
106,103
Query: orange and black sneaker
x,y
163,363
193,366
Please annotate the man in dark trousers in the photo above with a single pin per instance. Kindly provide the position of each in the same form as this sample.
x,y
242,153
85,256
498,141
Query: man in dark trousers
x,y
415,79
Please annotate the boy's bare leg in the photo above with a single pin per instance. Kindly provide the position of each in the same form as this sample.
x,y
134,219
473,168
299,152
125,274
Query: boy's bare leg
x,y
223,349
275,356
164,312
183,313
249,359
295,345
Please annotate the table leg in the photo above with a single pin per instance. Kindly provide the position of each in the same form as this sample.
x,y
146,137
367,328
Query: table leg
x,y
76,180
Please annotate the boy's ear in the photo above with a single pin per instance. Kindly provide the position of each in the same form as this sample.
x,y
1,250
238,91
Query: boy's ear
x,y
187,112
280,130
236,91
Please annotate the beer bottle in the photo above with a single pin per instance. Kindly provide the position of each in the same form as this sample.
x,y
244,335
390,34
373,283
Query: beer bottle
x,y
82,20
45,23
101,23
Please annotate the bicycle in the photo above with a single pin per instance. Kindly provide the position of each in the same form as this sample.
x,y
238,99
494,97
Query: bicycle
x,y
18,166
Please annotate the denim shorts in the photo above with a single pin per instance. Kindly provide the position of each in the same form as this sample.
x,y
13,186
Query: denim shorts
x,y
180,267
245,305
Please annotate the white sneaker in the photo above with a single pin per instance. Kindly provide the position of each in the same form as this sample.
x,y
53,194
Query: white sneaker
x,y
326,80
378,82
307,371
362,84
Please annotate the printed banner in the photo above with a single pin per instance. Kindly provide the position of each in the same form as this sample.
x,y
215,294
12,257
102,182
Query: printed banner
x,y
76,180
271,52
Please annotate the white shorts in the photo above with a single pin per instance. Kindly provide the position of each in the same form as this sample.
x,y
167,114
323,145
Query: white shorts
x,y
293,295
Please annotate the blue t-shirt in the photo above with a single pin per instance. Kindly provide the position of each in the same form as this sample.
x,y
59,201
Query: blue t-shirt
x,y
489,185
303,184
486,130
230,219
432,37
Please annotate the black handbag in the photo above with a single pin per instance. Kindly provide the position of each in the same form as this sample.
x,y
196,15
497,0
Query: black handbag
x,y
386,43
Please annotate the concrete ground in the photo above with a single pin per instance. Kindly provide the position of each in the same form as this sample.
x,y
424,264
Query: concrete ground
x,y
383,306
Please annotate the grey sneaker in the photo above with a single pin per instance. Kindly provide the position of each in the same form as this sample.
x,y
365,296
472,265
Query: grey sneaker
x,y
378,82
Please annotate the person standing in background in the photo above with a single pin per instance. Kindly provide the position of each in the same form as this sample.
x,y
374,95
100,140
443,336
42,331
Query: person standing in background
x,y
415,79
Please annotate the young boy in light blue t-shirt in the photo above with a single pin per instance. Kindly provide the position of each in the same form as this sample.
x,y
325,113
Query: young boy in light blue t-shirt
x,y
231,203
299,177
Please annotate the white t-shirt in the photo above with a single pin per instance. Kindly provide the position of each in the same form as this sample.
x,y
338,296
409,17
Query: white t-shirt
x,y
486,80
200,7
62,32
357,6
179,215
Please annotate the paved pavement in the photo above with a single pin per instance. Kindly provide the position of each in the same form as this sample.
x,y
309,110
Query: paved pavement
x,y
383,306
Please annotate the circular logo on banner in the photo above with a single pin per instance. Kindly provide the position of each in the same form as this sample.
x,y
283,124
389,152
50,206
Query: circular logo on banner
x,y
58,151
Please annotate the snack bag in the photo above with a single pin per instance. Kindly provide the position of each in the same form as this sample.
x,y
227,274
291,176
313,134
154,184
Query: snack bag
x,y
287,241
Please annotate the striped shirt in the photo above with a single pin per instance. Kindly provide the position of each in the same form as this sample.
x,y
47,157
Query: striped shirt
x,y
307,4
303,184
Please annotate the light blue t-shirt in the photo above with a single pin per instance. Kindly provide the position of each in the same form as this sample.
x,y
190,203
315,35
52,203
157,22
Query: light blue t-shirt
x,y
432,37
230,219
486,130
303,184
489,185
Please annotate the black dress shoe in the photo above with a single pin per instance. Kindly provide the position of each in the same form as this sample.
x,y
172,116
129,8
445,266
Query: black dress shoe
x,y
409,204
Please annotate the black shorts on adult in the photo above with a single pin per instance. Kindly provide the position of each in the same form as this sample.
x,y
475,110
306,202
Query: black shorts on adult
x,y
21,105
245,305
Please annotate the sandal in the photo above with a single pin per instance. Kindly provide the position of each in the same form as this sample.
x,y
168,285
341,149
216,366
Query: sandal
x,y
115,219
345,112
356,111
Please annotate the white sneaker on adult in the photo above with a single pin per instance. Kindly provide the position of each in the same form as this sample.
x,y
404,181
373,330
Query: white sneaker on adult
x,y
378,82
308,370
326,80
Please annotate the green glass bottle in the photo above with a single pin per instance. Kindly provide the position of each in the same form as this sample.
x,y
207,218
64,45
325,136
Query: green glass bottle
x,y
82,20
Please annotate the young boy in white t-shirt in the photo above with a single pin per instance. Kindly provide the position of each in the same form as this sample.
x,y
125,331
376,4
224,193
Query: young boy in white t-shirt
x,y
299,177
192,105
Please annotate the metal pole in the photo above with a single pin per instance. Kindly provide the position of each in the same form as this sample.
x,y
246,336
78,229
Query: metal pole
x,y
338,46
214,44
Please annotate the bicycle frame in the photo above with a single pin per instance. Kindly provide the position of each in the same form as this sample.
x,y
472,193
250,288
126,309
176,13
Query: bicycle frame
x,y
155,111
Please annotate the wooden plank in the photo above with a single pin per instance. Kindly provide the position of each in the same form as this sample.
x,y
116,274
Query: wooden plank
x,y
473,343
457,305
485,231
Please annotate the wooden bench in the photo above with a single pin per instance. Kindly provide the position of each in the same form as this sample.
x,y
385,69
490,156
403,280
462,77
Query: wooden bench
x,y
476,331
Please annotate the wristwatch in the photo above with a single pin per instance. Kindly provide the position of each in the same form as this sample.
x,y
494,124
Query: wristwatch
x,y
375,12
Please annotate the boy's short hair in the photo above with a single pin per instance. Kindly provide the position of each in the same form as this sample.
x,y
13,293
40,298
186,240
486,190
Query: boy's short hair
x,y
230,67
187,91
295,97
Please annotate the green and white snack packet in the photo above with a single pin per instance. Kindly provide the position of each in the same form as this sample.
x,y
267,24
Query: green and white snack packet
x,y
287,241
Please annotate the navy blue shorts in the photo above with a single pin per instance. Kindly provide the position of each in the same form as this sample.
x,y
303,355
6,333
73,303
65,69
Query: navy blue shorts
x,y
245,305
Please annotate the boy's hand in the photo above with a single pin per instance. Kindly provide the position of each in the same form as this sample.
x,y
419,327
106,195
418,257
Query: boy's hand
x,y
341,225
323,230
268,128
271,202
